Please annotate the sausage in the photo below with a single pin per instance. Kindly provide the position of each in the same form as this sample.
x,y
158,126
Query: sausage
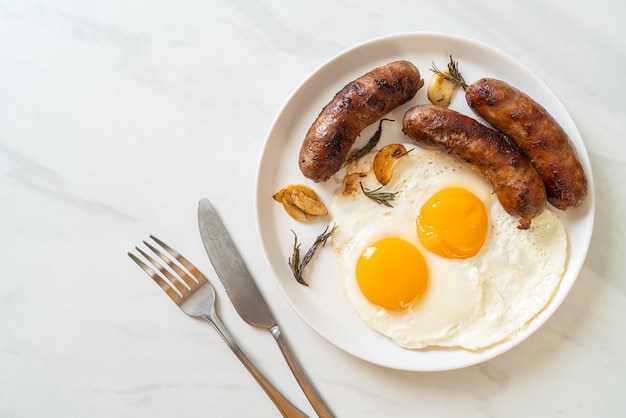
x,y
535,132
359,104
515,180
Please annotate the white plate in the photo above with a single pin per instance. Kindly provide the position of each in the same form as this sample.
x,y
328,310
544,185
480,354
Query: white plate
x,y
322,304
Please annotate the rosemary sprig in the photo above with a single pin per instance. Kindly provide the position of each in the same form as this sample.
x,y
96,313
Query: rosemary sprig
x,y
379,197
370,144
453,73
405,153
296,264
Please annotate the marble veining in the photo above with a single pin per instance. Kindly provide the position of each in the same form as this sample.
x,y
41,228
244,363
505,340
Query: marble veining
x,y
117,117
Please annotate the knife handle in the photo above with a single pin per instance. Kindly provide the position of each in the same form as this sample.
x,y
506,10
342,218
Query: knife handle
x,y
319,405
283,404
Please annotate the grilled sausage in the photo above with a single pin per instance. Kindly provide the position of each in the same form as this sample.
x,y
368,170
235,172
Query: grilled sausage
x,y
536,134
516,182
359,104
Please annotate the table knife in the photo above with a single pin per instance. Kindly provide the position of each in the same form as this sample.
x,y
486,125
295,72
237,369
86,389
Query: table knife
x,y
246,296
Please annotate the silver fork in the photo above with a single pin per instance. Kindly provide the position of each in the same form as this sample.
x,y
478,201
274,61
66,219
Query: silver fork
x,y
196,297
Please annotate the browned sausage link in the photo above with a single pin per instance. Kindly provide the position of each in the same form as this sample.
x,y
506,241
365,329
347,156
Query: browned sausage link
x,y
359,104
537,135
513,178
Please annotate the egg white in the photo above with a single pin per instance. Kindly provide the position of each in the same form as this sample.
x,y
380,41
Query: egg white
x,y
471,303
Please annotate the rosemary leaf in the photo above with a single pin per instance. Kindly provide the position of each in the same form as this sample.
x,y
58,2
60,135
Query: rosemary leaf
x,y
453,74
298,265
294,260
379,197
370,144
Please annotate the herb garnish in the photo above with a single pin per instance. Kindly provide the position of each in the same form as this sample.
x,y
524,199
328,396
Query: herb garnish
x,y
379,197
453,73
370,144
297,266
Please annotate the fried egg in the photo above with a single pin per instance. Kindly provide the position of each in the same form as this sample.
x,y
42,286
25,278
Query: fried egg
x,y
432,259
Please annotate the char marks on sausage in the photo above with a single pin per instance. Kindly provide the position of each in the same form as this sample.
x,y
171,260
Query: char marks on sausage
x,y
359,104
536,133
514,179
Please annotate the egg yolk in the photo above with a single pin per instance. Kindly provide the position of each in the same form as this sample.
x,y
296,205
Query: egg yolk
x,y
392,273
453,223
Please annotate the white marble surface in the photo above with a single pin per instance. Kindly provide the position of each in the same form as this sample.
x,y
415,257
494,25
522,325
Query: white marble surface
x,y
117,116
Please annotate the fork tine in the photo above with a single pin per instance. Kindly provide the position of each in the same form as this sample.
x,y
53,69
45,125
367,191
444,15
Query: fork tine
x,y
183,275
202,305
177,282
182,260
170,291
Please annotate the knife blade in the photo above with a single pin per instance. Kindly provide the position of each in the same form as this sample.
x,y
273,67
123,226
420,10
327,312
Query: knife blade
x,y
245,295
231,269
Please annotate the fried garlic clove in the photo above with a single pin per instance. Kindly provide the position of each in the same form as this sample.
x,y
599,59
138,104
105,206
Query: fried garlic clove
x,y
386,160
309,203
278,196
351,183
440,90
301,202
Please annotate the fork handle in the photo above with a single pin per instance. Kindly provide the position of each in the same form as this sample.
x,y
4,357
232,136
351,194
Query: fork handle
x,y
283,404
316,400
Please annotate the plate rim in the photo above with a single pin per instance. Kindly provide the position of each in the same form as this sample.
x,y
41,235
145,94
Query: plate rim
x,y
574,265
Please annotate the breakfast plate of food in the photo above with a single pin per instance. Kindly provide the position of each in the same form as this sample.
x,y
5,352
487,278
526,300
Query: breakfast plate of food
x,y
424,201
